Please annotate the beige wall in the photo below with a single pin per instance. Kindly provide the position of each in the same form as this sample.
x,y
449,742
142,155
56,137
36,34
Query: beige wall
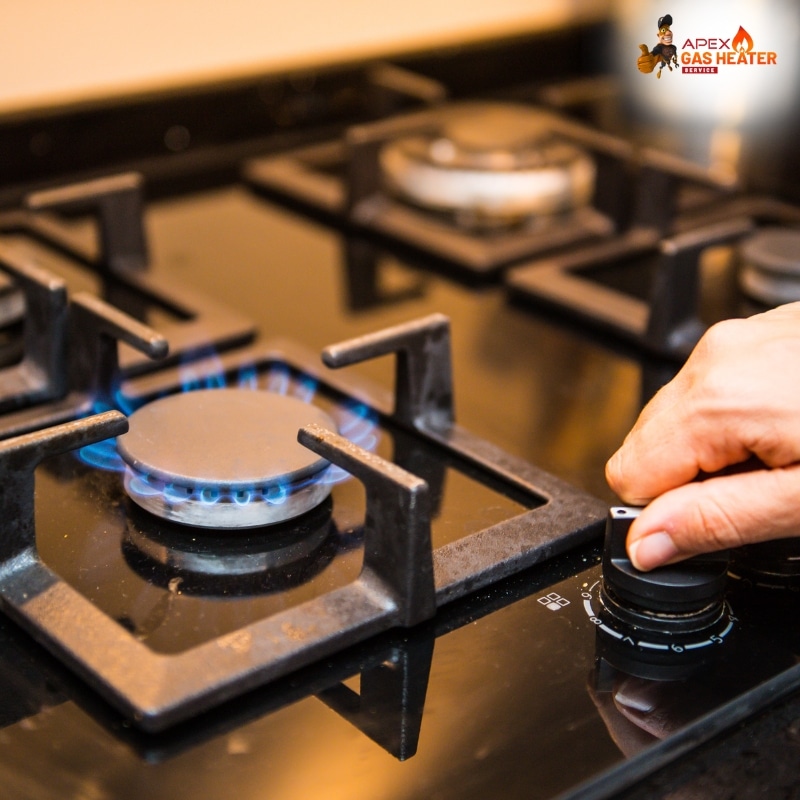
x,y
54,52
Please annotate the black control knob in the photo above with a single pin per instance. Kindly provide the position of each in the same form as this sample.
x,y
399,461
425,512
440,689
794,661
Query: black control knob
x,y
681,598
774,564
662,625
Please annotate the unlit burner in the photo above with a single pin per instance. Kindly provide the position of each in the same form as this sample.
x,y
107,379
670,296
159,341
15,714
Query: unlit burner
x,y
493,164
224,458
770,269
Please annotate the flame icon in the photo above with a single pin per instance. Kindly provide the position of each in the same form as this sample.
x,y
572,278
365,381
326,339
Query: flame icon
x,y
743,41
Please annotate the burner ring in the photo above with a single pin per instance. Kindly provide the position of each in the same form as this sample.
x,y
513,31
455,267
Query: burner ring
x,y
232,563
770,269
499,163
223,458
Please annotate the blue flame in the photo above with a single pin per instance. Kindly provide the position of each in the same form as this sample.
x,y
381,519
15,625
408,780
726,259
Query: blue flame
x,y
204,371
278,379
142,485
358,423
150,486
355,421
247,378
306,389
176,494
243,497
103,454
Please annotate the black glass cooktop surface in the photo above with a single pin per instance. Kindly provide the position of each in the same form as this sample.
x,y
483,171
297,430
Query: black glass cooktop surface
x,y
509,692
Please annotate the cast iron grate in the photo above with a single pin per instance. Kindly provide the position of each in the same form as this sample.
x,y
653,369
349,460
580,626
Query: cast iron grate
x,y
668,320
69,364
121,259
340,181
403,578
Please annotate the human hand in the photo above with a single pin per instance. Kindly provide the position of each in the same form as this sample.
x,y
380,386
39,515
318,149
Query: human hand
x,y
639,712
647,61
735,402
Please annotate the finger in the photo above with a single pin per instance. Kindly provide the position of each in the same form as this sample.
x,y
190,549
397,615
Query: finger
x,y
657,707
686,428
643,48
734,397
626,735
640,469
662,707
716,514
669,446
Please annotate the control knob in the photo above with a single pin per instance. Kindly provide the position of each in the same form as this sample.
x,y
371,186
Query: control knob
x,y
673,600
774,564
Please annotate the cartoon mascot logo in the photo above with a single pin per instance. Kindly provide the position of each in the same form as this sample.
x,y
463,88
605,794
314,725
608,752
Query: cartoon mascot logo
x,y
665,54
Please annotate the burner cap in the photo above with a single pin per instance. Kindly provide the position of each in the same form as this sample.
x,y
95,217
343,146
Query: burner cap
x,y
223,458
497,162
771,265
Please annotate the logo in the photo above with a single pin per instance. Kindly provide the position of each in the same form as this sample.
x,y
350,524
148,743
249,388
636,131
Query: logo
x,y
702,54
664,54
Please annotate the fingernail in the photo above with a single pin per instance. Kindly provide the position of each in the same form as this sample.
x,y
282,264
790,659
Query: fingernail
x,y
637,695
652,550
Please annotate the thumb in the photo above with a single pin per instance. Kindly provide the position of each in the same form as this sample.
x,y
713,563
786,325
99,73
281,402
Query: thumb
x,y
717,513
644,49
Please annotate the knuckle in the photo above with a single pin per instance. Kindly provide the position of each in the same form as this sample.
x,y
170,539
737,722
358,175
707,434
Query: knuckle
x,y
617,476
716,527
626,476
723,334
612,473
770,444
720,339
714,368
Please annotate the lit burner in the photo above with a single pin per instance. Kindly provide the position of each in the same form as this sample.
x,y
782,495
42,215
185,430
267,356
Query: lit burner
x,y
490,164
770,269
224,458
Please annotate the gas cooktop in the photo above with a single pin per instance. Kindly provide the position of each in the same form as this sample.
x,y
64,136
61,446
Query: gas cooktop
x,y
296,502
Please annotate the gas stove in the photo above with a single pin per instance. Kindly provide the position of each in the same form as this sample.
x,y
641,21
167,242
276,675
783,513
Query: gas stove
x,y
303,483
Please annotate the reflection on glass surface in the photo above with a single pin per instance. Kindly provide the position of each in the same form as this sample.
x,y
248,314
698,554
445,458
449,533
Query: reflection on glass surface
x,y
509,677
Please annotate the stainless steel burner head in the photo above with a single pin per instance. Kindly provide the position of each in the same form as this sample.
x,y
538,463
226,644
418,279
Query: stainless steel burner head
x,y
770,270
233,563
497,163
223,458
